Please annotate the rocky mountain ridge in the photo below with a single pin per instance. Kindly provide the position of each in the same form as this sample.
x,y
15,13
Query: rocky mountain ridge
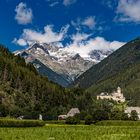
x,y
67,66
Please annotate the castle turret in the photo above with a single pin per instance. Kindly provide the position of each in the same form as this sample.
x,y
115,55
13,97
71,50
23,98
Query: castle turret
x,y
119,90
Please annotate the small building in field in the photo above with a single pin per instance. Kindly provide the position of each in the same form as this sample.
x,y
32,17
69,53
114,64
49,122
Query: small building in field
x,y
62,117
128,110
116,96
71,113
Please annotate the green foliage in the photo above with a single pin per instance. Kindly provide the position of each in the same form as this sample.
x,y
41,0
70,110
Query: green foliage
x,y
59,122
118,123
134,115
20,123
72,120
88,120
118,115
100,115
76,132
83,114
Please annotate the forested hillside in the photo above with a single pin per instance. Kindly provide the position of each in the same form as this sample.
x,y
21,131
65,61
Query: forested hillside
x,y
24,92
122,68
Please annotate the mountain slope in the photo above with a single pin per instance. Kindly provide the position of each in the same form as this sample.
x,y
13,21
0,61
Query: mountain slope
x,y
66,65
52,76
24,92
128,79
121,68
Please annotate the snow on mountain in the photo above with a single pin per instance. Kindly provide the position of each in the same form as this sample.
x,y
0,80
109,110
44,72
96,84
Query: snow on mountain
x,y
68,65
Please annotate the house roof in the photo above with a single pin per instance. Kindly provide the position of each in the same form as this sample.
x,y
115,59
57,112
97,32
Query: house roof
x,y
73,111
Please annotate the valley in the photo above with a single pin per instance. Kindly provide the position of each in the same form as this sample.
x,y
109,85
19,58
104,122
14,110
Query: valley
x,y
70,70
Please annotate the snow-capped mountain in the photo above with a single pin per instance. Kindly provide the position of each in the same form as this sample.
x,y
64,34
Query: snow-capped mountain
x,y
59,65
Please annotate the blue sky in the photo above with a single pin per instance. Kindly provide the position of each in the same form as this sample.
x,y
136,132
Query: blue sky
x,y
68,23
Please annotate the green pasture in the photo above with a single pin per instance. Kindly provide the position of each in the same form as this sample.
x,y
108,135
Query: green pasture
x,y
73,132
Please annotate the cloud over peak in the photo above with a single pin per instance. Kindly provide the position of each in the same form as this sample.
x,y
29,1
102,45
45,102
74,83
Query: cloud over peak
x,y
24,14
84,47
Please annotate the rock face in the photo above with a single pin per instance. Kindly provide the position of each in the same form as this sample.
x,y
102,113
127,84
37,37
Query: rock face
x,y
59,65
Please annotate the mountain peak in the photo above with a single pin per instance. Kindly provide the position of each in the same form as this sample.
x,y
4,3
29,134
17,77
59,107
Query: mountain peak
x,y
76,56
69,65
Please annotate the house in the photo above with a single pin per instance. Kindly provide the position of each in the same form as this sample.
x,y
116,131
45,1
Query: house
x,y
71,113
116,96
62,117
20,117
128,110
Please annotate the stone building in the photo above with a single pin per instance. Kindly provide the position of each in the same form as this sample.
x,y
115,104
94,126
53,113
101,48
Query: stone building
x,y
116,96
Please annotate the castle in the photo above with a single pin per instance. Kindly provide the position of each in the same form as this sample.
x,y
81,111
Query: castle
x,y
116,96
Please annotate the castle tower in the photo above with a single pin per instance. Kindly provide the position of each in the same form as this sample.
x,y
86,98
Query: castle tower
x,y
119,90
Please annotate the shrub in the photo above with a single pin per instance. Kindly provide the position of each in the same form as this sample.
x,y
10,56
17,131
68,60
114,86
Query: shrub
x,y
20,123
118,115
100,115
83,114
55,122
72,120
134,115
88,119
118,123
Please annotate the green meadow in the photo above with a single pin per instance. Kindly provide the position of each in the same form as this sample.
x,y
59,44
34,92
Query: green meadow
x,y
73,132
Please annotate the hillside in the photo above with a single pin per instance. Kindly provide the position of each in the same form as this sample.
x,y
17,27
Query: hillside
x,y
24,92
121,68
52,75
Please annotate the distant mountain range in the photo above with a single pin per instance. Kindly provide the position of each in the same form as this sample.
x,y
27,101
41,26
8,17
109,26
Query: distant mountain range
x,y
58,64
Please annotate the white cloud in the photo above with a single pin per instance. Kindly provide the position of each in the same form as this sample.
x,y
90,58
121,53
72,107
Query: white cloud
x,y
68,2
23,14
20,42
48,36
98,43
81,43
128,11
89,22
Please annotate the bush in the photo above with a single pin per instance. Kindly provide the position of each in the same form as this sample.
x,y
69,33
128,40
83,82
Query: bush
x,y
56,122
100,115
88,119
72,120
118,123
119,115
134,115
20,123
83,114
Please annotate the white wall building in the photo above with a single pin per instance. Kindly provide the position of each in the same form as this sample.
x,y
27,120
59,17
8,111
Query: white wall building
x,y
116,96
71,113
128,110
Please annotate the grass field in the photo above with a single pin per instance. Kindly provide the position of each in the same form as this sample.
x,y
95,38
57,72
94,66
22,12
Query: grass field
x,y
63,132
